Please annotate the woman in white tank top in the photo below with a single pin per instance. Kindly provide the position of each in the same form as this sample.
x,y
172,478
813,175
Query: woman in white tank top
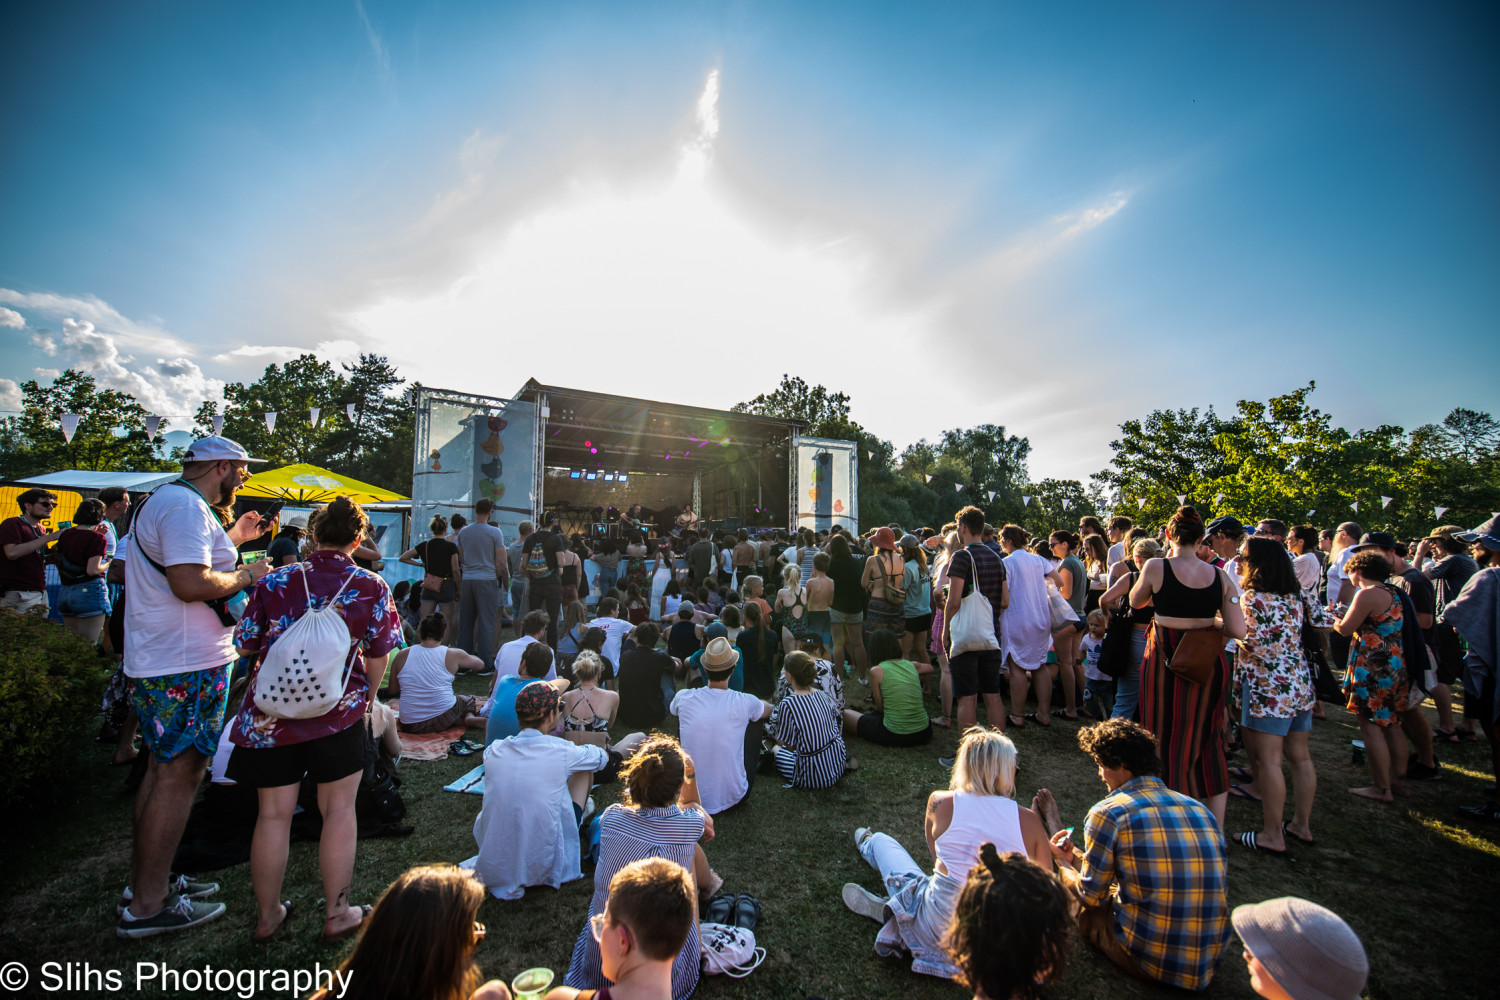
x,y
422,676
979,807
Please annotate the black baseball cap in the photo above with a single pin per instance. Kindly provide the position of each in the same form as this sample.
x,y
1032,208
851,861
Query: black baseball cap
x,y
1225,525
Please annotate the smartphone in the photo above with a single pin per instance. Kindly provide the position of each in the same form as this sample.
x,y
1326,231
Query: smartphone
x,y
269,514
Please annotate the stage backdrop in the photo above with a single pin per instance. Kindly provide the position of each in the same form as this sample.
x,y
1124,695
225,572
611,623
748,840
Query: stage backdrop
x,y
827,484
470,447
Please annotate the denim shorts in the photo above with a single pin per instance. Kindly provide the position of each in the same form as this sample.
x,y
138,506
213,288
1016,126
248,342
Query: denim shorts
x,y
89,599
1300,723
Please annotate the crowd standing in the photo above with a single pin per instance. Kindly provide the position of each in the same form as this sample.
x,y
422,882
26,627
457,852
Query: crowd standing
x,y
1171,649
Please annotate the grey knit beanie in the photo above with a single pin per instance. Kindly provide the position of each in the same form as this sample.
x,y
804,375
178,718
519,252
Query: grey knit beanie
x,y
1307,948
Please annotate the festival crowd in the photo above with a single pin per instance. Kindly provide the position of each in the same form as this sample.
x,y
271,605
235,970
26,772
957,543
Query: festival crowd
x,y
776,652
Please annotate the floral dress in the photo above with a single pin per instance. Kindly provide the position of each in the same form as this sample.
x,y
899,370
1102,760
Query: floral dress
x,y
1271,674
1376,684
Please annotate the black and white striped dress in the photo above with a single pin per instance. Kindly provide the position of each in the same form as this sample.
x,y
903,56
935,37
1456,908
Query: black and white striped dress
x,y
809,728
627,835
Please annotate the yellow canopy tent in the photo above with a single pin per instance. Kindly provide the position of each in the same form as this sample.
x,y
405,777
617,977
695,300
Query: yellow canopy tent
x,y
307,484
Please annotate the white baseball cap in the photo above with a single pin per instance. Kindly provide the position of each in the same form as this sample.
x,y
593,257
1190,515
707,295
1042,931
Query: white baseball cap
x,y
217,449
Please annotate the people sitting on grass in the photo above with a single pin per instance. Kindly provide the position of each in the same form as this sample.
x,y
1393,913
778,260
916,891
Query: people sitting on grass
x,y
716,731
646,680
419,941
978,806
535,665
825,678
588,711
712,631
661,818
682,634
900,717
1151,879
533,629
1012,928
807,728
536,788
422,677
641,932
758,646
1296,948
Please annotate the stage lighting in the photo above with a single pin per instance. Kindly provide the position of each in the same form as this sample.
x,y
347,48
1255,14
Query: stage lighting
x,y
609,477
588,444
575,474
592,475
593,451
621,478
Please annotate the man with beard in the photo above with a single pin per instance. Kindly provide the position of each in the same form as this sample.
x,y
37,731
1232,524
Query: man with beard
x,y
179,573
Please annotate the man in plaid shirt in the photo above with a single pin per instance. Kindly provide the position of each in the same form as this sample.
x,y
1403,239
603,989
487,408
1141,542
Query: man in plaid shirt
x,y
1152,877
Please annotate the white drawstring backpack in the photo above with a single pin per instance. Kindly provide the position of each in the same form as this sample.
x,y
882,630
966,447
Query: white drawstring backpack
x,y
729,950
307,668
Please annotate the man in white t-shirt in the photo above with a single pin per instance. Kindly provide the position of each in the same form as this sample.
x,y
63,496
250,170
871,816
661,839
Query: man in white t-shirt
x,y
615,628
508,660
179,651
1340,588
716,731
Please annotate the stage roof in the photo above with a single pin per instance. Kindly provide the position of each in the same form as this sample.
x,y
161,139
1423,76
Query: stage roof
x,y
595,429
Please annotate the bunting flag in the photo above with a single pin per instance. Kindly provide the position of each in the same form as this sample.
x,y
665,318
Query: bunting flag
x,y
1067,503
218,423
1141,503
871,454
1310,514
1181,499
1218,499
349,410
1438,512
992,496
313,415
927,477
1354,506
1025,501
958,487
152,423
1385,502
270,421
70,425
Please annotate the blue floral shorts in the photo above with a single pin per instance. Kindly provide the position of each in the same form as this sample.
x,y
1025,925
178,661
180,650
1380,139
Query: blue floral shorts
x,y
182,712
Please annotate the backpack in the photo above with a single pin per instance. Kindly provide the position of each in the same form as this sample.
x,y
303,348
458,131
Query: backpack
x,y
536,563
307,668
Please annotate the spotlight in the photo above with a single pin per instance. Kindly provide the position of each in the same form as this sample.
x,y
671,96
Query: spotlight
x,y
593,451
588,444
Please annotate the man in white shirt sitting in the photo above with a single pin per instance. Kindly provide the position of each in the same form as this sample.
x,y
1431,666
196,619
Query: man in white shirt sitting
x,y
716,731
535,798
508,659
615,628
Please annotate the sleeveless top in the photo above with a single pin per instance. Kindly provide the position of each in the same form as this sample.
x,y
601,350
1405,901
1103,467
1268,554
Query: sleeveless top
x,y
976,819
1176,600
426,684
597,724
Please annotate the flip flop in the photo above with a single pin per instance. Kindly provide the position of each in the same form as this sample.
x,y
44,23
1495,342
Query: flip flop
x,y
1286,832
1241,774
1240,792
364,914
1445,735
1059,713
1032,717
290,908
1248,839
1016,721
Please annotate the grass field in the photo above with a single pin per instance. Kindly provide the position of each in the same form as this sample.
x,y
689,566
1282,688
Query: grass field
x,y
1415,883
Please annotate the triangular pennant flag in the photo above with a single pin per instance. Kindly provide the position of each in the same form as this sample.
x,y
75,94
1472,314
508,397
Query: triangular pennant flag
x,y
313,415
1385,502
1310,514
871,454
1141,503
1218,499
992,496
152,423
349,410
958,487
927,477
1181,499
70,425
1025,501
1067,503
270,421
218,423
1354,506
1439,511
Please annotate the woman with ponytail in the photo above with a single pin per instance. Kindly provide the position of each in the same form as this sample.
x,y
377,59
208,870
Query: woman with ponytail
x,y
663,819
1012,928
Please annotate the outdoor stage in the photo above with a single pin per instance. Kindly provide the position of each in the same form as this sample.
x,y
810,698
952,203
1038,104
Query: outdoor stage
x,y
590,457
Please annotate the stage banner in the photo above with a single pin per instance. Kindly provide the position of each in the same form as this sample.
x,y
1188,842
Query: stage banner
x,y
469,447
827,479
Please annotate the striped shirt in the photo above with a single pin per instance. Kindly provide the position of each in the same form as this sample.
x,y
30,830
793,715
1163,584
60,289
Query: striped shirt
x,y
811,726
627,835
1162,856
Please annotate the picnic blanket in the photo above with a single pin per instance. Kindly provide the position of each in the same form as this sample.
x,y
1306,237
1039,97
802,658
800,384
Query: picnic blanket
x,y
473,782
425,746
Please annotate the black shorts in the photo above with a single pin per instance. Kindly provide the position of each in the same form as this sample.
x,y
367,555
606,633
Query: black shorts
x,y
326,759
976,672
871,727
922,624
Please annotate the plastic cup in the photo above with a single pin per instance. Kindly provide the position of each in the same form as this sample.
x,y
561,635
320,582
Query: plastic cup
x,y
531,983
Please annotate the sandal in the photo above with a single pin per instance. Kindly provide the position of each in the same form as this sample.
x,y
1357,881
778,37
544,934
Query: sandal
x,y
1058,713
1241,792
1033,717
364,909
289,907
460,748
746,911
1241,774
720,909
1016,721
1445,735
1248,839
1286,832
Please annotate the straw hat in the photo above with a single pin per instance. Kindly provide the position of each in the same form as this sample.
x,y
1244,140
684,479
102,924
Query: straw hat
x,y
1307,948
720,656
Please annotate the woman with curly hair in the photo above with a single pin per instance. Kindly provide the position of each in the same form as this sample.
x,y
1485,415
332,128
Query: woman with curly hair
x,y
1011,929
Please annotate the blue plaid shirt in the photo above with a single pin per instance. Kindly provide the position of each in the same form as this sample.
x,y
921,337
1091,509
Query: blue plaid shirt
x,y
1161,855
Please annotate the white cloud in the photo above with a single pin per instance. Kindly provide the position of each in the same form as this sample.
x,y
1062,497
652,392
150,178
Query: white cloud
x,y
172,386
377,46
10,394
132,335
12,319
334,351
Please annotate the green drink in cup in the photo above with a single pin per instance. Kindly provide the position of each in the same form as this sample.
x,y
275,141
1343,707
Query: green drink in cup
x,y
531,983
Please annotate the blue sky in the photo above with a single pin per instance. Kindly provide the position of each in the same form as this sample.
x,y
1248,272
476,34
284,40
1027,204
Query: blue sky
x,y
1067,214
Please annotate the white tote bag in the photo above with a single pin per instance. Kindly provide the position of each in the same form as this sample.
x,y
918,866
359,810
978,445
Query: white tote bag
x,y
307,668
728,950
973,628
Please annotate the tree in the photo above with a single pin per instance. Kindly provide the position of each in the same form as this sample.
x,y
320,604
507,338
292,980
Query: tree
x,y
1170,452
290,391
1470,434
1046,511
111,434
824,413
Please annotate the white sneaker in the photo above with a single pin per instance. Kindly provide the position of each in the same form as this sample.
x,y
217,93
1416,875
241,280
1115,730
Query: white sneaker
x,y
864,902
862,834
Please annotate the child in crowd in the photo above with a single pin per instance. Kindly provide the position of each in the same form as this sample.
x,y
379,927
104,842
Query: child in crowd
x,y
1098,687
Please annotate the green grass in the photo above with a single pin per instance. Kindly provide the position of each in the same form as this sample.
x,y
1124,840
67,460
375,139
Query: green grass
x,y
1414,881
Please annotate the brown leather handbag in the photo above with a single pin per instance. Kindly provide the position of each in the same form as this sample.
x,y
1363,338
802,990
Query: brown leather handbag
x,y
432,583
1196,657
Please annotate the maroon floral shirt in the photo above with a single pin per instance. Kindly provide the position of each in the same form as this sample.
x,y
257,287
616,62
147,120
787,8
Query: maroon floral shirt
x,y
278,601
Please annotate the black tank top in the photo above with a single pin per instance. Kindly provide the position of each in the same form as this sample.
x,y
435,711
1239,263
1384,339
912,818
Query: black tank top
x,y
1176,600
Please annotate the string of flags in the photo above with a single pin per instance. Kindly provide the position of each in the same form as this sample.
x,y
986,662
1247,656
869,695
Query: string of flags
x,y
70,421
